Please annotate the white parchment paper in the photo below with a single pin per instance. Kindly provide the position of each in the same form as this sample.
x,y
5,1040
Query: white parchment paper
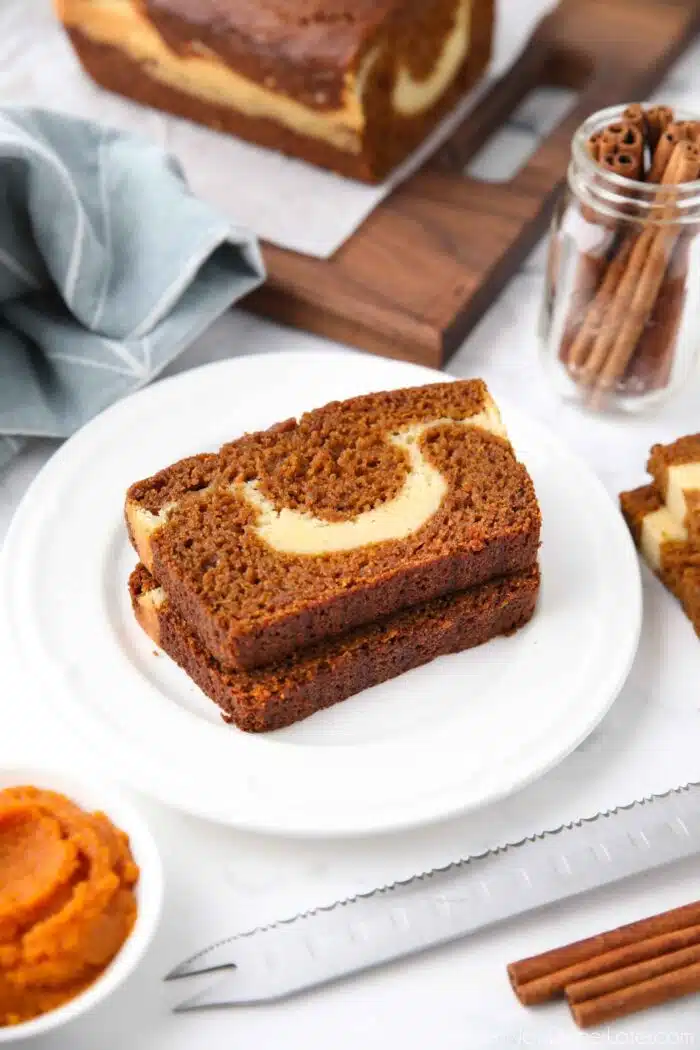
x,y
283,201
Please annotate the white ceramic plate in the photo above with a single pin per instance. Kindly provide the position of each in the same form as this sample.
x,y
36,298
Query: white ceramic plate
x,y
442,739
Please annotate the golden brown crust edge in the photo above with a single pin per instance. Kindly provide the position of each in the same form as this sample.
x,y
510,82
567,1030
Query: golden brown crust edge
x,y
139,533
635,505
684,450
146,612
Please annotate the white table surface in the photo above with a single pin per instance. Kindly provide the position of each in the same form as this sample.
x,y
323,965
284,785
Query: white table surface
x,y
457,998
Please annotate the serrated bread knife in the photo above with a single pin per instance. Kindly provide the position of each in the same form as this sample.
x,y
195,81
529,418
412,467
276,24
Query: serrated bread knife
x,y
324,945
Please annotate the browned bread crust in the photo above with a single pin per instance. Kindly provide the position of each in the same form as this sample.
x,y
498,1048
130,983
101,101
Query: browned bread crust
x,y
252,602
324,674
340,61
684,450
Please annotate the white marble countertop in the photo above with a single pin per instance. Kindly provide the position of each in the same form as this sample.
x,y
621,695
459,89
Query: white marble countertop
x,y
456,998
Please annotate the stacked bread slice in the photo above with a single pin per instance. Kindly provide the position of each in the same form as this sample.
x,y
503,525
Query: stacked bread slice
x,y
302,564
664,519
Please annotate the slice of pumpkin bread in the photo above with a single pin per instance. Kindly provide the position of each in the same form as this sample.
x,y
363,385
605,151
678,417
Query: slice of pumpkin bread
x,y
353,512
330,671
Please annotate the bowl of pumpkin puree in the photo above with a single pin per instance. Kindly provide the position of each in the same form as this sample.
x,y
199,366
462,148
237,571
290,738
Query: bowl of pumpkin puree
x,y
81,889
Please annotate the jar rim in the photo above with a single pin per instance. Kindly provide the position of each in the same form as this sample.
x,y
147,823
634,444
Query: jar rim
x,y
583,160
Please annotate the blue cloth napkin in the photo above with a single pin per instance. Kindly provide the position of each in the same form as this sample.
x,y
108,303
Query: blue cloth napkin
x,y
109,268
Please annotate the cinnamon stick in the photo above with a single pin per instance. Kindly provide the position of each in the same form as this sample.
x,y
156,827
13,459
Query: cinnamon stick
x,y
651,365
642,996
662,154
657,120
679,131
593,145
618,148
673,293
594,148
627,976
591,269
691,129
595,317
554,985
603,147
625,139
635,114
533,968
624,164
623,134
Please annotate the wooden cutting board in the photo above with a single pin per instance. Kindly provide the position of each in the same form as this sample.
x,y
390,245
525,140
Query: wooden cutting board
x,y
420,272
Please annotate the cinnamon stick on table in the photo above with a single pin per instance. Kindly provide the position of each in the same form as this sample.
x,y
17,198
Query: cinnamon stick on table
x,y
629,976
548,964
662,989
606,962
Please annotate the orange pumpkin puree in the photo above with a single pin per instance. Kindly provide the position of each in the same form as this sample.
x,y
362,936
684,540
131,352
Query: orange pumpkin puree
x,y
67,901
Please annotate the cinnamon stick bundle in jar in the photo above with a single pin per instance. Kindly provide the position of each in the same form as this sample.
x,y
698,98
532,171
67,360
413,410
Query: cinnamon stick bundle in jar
x,y
619,301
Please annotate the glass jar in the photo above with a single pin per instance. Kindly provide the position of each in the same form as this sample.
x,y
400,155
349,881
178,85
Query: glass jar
x,y
620,326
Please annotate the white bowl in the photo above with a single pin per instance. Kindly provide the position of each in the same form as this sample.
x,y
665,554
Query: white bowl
x,y
149,891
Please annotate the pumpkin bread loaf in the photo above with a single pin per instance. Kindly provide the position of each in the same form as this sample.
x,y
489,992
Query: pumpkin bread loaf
x,y
359,509
351,85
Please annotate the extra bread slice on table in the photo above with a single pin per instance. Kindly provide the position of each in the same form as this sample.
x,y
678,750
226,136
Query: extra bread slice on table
x,y
356,511
675,469
665,546
286,692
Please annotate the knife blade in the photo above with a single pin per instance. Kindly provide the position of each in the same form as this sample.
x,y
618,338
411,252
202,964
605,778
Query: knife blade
x,y
439,906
